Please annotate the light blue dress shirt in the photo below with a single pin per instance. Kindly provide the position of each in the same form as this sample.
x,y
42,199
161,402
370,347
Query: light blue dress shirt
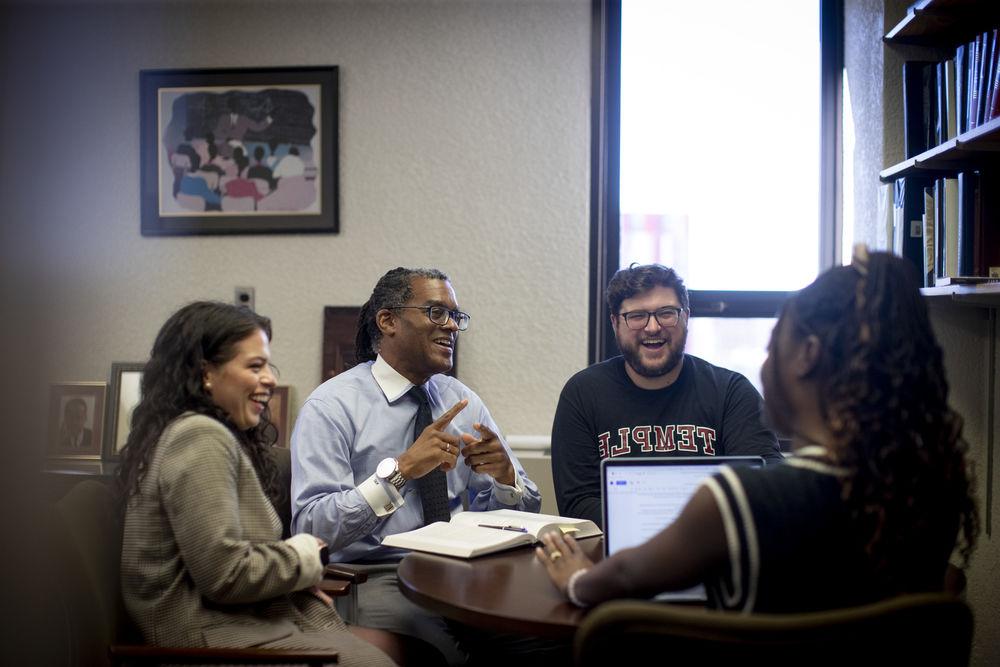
x,y
356,419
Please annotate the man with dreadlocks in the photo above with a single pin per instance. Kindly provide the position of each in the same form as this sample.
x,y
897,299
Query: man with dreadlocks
x,y
872,502
370,445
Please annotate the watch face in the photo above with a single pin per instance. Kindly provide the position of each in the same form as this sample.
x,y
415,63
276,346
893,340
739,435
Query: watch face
x,y
385,469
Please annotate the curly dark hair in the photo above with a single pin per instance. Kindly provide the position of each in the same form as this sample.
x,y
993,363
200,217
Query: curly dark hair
x,y
638,278
393,289
884,397
172,384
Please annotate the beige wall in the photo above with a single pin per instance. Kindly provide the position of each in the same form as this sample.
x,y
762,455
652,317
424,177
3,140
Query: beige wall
x,y
464,144
875,74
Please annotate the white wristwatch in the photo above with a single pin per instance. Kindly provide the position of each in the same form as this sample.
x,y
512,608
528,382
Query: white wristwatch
x,y
388,471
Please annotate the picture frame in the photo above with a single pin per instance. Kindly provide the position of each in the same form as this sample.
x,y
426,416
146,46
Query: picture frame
x,y
278,409
126,380
76,420
239,151
340,326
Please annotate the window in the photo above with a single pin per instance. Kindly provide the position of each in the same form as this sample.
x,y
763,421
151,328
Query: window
x,y
709,129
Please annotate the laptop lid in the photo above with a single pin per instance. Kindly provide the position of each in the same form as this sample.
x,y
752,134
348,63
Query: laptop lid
x,y
642,496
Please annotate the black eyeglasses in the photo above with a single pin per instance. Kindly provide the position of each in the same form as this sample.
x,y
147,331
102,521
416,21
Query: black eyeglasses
x,y
638,319
440,315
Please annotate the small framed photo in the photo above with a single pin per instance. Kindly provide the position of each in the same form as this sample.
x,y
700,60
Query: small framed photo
x,y
76,420
278,408
239,151
126,379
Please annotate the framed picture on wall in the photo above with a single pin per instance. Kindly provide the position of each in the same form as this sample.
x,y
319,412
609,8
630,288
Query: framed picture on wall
x,y
278,408
126,377
239,151
76,420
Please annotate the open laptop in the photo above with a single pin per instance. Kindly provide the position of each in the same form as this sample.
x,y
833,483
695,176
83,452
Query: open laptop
x,y
642,496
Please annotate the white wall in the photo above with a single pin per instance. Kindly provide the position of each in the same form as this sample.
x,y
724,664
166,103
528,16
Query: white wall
x,y
464,145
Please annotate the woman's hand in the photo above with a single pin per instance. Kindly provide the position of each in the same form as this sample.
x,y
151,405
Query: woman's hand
x,y
321,596
561,556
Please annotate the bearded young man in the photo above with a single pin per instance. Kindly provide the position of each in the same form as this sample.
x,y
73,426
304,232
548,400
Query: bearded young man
x,y
653,400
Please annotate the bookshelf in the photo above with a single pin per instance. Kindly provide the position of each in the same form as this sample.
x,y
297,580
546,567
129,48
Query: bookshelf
x,y
975,148
937,22
939,27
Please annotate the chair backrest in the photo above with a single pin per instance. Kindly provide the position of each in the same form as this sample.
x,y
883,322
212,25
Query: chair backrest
x,y
926,628
88,535
282,458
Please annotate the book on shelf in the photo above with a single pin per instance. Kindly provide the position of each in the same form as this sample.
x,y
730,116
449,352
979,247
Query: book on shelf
x,y
991,76
940,106
994,106
919,106
961,89
968,199
471,534
950,106
929,244
975,60
939,238
907,221
948,227
982,65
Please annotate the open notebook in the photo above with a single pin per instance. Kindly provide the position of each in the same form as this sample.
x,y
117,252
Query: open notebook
x,y
642,496
471,534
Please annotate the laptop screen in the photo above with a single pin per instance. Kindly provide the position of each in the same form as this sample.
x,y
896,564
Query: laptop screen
x,y
642,496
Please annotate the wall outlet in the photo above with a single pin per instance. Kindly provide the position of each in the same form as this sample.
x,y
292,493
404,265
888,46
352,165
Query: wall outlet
x,y
244,297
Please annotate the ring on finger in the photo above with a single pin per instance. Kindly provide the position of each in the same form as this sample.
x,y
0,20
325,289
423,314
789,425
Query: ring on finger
x,y
555,555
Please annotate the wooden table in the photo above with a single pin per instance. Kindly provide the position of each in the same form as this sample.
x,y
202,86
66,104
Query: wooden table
x,y
507,592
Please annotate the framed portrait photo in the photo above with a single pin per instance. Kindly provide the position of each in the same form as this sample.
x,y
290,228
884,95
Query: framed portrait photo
x,y
278,408
239,151
76,420
126,379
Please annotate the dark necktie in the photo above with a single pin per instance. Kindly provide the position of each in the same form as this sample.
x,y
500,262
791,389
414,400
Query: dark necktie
x,y
433,486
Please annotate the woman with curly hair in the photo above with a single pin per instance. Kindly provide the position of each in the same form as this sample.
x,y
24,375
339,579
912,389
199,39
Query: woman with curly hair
x,y
202,559
873,502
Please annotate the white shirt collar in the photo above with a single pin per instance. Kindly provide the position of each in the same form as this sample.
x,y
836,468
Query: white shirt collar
x,y
392,384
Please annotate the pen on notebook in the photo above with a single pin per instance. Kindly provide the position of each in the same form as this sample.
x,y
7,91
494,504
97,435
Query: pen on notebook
x,y
516,529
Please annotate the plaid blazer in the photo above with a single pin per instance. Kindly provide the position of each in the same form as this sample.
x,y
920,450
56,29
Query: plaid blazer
x,y
202,560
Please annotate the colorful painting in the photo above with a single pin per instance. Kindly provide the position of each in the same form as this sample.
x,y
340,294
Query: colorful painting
x,y
239,151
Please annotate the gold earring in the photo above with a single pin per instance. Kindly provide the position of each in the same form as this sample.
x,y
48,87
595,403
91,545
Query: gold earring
x,y
208,386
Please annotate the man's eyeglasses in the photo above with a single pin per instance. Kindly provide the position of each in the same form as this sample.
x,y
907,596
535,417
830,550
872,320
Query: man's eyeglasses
x,y
638,319
440,315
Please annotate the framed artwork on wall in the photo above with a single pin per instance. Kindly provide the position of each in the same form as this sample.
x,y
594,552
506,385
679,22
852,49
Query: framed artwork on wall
x,y
126,377
278,409
239,151
76,420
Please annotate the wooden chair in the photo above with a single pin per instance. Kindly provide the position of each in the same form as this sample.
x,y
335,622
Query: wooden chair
x,y
87,532
926,628
341,580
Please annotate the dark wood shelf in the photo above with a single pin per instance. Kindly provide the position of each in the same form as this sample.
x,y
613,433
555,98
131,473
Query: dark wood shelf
x,y
970,149
942,22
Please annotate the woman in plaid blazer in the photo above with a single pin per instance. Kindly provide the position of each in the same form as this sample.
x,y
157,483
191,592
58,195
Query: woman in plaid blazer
x,y
202,559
